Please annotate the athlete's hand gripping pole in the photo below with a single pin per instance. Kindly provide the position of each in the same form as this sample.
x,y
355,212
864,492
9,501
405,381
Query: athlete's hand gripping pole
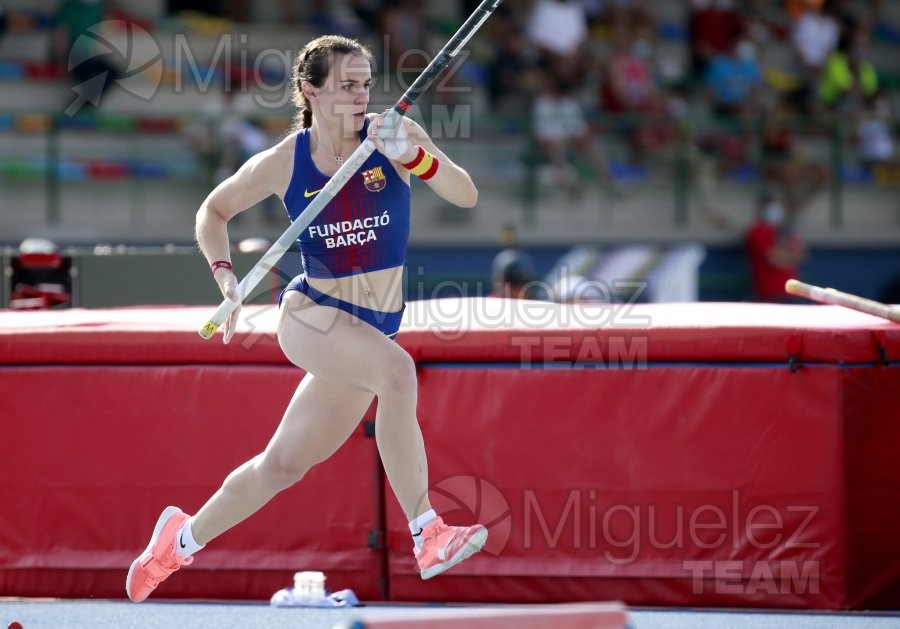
x,y
350,166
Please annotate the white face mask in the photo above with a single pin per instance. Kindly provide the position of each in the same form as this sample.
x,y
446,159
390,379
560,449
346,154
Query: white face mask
x,y
773,213
746,51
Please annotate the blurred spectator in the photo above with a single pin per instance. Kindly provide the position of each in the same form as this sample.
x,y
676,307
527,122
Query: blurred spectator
x,y
235,10
799,178
734,79
629,86
595,11
94,67
330,17
228,135
630,82
796,8
559,30
403,25
733,82
366,12
512,271
848,77
623,17
563,135
852,16
512,274
714,26
774,252
241,138
288,11
762,24
873,134
814,37
508,73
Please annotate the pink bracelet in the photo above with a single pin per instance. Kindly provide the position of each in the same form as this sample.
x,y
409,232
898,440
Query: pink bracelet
x,y
220,264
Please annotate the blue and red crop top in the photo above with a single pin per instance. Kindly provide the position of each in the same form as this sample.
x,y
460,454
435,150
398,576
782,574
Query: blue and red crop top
x,y
364,228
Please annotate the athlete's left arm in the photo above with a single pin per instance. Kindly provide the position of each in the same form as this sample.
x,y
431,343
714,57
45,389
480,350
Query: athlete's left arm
x,y
450,182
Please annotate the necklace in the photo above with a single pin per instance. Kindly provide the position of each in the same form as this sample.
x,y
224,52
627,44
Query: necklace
x,y
339,159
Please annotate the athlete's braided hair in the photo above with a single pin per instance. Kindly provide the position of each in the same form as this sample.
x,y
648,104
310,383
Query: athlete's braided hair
x,y
313,64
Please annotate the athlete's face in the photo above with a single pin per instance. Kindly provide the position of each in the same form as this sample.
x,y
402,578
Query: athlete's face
x,y
344,98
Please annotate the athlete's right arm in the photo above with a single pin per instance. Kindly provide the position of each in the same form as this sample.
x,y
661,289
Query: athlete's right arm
x,y
263,175
252,183
256,180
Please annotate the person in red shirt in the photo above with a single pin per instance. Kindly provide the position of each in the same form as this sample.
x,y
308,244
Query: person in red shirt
x,y
713,27
630,86
774,252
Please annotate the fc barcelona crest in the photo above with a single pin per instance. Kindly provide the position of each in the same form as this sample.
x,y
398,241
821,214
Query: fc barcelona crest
x,y
374,179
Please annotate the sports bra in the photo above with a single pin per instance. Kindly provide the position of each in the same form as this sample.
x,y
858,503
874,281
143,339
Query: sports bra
x,y
364,228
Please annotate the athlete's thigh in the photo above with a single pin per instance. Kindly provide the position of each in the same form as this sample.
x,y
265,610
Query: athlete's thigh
x,y
335,345
319,418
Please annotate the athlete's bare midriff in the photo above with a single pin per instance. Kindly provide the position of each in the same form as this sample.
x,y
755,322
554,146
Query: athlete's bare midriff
x,y
377,290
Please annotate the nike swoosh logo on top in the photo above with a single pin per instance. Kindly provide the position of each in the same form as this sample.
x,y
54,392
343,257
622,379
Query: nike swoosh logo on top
x,y
181,540
308,194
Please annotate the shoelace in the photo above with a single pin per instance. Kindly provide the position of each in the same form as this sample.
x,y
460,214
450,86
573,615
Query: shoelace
x,y
432,533
454,541
435,532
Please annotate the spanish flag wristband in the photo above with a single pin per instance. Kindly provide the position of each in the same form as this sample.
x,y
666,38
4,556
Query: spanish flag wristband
x,y
423,165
